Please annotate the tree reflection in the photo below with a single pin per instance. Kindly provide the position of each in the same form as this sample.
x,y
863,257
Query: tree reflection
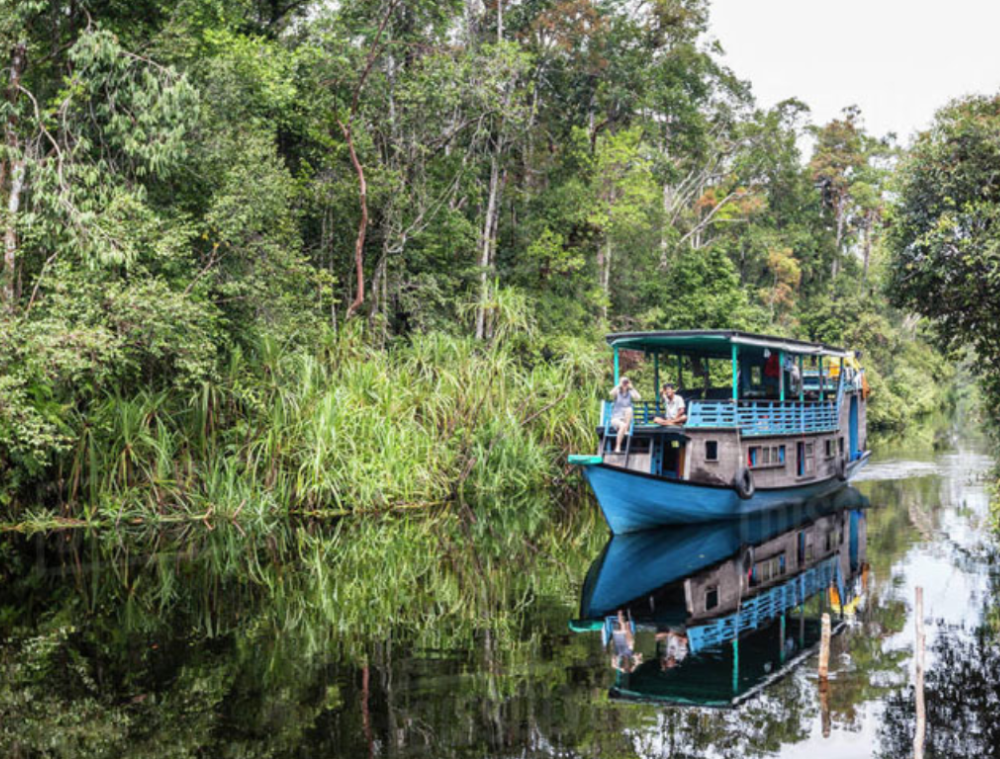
x,y
962,693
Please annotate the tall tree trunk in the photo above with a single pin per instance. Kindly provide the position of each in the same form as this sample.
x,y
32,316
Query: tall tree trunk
x,y
347,129
867,249
664,242
487,242
359,242
840,209
10,233
13,170
604,269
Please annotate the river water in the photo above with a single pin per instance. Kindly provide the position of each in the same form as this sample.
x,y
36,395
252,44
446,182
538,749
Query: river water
x,y
439,636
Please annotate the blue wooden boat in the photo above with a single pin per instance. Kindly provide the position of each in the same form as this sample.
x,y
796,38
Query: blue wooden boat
x,y
786,426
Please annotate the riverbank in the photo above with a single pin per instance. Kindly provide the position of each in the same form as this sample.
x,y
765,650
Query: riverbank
x,y
344,427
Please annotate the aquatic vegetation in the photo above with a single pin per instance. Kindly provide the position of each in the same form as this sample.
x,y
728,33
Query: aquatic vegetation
x,y
342,428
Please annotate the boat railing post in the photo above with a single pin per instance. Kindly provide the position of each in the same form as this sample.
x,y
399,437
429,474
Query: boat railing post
x,y
736,664
822,379
781,653
781,375
656,380
616,366
736,373
802,394
605,424
840,388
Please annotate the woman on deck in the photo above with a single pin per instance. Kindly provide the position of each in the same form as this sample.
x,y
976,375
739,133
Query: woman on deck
x,y
623,395
624,657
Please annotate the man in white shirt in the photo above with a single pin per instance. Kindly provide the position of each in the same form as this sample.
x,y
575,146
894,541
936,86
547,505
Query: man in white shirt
x,y
674,410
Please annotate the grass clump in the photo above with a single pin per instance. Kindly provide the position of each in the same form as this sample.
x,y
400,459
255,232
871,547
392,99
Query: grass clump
x,y
341,427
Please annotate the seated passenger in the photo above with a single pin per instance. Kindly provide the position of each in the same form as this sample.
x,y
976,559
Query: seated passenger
x,y
674,649
674,410
621,411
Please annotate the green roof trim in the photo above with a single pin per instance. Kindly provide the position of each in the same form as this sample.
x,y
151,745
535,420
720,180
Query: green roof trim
x,y
715,343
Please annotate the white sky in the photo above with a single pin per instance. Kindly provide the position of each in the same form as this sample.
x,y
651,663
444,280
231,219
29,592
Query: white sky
x,y
899,60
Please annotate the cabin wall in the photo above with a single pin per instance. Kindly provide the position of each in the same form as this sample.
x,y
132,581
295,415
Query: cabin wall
x,y
862,422
845,418
827,536
726,579
720,472
734,453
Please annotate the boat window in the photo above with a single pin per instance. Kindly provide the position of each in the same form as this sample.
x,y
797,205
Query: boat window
x,y
841,445
767,570
804,454
833,539
711,450
829,448
760,456
711,598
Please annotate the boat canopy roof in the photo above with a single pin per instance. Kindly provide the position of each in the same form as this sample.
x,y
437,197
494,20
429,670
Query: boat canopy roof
x,y
715,343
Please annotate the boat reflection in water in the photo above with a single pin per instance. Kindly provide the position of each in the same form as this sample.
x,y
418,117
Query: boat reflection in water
x,y
724,609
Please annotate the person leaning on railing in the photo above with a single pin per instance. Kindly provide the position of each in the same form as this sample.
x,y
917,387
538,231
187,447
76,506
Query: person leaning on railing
x,y
674,410
623,394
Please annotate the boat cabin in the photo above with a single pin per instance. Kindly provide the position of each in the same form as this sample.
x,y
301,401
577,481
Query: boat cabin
x,y
762,412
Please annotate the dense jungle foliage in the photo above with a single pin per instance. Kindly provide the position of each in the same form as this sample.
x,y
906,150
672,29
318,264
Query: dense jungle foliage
x,y
273,254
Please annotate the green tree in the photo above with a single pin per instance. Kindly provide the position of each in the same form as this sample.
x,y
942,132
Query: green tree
x,y
945,231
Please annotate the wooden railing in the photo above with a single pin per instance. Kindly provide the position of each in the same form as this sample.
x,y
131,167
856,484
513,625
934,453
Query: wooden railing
x,y
754,418
766,417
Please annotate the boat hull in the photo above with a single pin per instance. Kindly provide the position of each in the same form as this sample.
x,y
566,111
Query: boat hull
x,y
632,501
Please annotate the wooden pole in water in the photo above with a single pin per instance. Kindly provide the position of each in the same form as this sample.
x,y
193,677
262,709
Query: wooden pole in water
x,y
824,683
918,736
824,707
824,648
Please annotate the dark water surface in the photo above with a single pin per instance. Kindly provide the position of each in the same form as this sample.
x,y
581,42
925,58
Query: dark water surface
x,y
429,636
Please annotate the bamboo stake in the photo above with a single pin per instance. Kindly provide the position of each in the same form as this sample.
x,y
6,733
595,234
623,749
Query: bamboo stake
x,y
824,683
824,648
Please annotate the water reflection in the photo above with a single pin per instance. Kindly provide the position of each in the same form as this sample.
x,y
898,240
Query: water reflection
x,y
433,637
726,608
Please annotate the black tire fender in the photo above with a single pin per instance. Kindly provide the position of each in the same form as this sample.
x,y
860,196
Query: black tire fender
x,y
841,468
744,484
